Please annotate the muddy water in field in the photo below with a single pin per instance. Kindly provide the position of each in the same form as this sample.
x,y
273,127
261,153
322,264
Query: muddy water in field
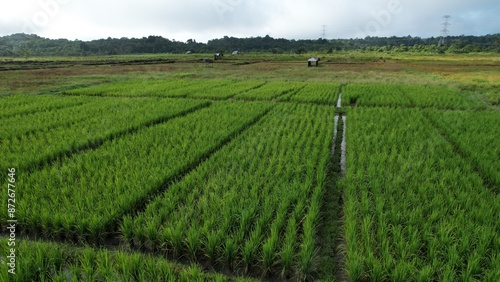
x,y
335,130
343,146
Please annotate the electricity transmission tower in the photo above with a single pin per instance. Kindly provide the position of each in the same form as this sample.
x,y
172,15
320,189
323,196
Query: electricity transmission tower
x,y
444,32
323,32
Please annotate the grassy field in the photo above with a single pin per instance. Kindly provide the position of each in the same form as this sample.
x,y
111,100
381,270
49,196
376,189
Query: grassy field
x,y
164,168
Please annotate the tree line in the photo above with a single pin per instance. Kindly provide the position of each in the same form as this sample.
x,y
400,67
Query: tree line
x,y
24,45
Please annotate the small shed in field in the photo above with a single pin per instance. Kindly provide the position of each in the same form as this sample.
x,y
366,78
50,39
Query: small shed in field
x,y
236,52
312,61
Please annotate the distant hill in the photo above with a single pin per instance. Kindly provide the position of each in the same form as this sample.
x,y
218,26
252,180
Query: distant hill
x,y
24,45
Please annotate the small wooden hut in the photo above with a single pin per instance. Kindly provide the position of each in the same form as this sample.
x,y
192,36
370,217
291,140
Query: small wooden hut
x,y
312,61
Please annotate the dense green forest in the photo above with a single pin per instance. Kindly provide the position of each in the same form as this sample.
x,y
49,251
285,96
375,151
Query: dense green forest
x,y
24,45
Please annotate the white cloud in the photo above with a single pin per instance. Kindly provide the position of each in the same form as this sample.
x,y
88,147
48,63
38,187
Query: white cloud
x,y
206,19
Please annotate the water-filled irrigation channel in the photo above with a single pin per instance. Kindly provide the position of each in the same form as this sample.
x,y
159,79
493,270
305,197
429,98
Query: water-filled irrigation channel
x,y
343,144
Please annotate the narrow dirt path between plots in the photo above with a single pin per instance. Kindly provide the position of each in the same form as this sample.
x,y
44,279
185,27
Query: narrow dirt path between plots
x,y
340,163
331,241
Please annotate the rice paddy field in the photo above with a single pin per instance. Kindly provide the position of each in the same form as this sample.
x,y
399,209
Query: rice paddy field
x,y
254,168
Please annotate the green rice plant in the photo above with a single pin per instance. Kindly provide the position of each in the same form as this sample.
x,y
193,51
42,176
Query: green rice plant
x,y
152,236
115,117
288,250
441,97
38,261
250,252
127,229
96,230
494,269
192,273
269,250
474,134
425,274
44,120
401,272
306,261
319,93
374,95
399,95
354,264
18,105
212,245
377,272
449,274
230,252
226,91
200,87
246,220
193,241
99,186
440,220
87,262
269,91
129,266
135,87
474,267
104,264
274,164
177,238
135,266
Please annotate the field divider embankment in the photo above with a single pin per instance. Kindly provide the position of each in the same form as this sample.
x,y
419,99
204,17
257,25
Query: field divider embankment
x,y
332,242
94,144
488,181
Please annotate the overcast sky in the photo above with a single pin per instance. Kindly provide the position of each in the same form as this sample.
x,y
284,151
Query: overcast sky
x,y
208,19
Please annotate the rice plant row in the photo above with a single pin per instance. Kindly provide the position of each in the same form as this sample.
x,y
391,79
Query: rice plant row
x,y
409,96
225,91
269,91
40,261
477,135
92,126
85,195
414,209
218,89
135,87
150,87
196,87
254,204
25,104
44,120
319,93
